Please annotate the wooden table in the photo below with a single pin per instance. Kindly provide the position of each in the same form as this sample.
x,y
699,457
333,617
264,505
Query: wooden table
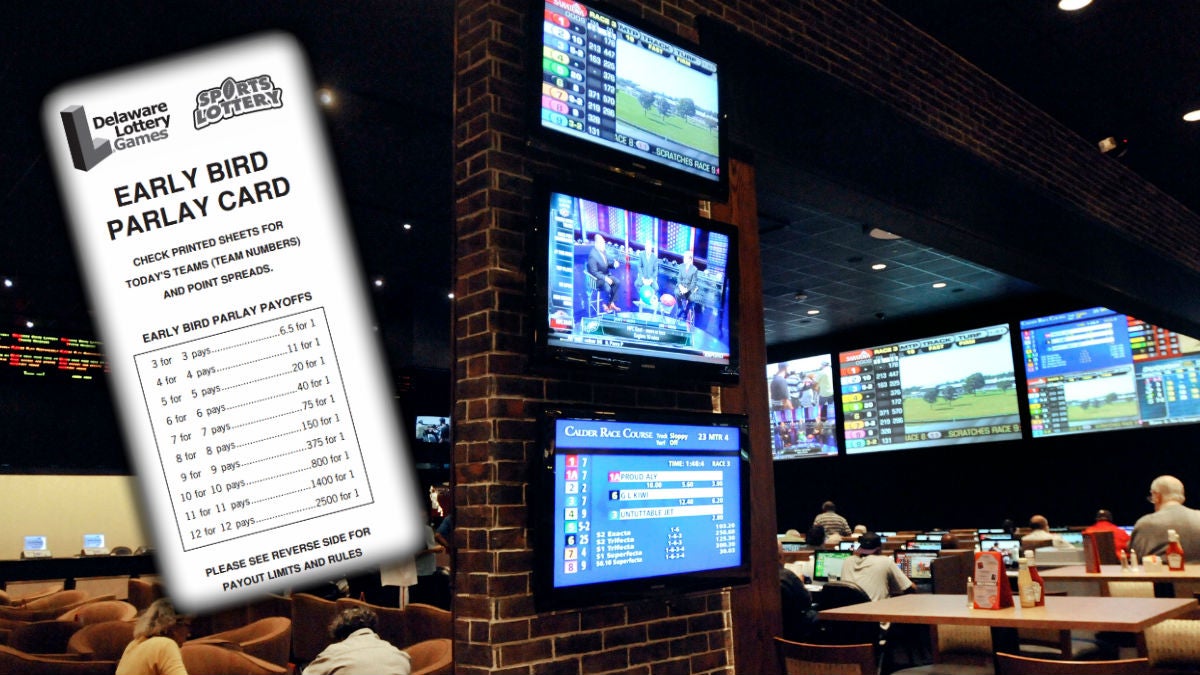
x,y
1114,573
1128,615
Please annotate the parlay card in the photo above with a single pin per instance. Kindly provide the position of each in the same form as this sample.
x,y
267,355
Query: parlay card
x,y
216,252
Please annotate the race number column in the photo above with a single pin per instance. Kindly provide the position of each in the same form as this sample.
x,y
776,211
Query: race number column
x,y
253,428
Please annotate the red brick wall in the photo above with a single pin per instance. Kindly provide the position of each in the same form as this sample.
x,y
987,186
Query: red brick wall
x,y
857,41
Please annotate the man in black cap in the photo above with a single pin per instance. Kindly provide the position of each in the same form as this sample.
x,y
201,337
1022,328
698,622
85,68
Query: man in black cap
x,y
1104,523
876,574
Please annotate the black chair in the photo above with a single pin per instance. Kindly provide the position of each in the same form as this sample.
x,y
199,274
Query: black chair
x,y
841,594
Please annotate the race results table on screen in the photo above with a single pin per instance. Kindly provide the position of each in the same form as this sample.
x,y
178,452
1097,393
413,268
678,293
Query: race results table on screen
x,y
253,428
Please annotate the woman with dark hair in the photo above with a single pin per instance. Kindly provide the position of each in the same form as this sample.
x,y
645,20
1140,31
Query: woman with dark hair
x,y
357,649
157,637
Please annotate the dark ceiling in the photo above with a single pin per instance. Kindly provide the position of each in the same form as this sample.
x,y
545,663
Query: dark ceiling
x,y
1122,68
1125,68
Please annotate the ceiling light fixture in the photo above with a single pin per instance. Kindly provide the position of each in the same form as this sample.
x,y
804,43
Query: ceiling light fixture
x,y
326,97
939,284
450,295
877,233
879,266
408,226
1073,5
800,296
1193,116
813,312
1113,146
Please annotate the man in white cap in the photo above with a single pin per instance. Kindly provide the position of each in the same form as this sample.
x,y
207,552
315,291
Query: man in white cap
x,y
876,574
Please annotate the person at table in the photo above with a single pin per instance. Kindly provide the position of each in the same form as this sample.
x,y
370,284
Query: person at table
x,y
833,523
598,266
1040,535
157,637
1150,531
878,575
1104,523
799,618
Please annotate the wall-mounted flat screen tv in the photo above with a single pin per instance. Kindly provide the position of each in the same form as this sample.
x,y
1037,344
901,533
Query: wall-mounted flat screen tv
x,y
629,289
1098,370
801,403
637,503
629,96
942,390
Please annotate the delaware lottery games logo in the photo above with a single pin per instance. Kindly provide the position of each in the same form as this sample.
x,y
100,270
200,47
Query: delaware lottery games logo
x,y
234,98
134,127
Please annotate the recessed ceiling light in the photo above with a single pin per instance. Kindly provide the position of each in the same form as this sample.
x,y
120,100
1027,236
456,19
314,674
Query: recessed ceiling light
x,y
408,226
879,266
814,312
1193,116
1073,5
378,281
29,324
450,295
326,97
8,283
877,233
939,284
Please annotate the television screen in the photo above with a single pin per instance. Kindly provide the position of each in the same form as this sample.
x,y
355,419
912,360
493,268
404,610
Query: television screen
x,y
60,357
433,429
636,98
1097,370
803,422
637,292
640,503
944,390
916,565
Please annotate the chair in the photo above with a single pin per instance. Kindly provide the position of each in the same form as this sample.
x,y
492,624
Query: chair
x,y
1173,644
841,594
1009,664
311,616
212,659
17,662
103,641
269,639
116,586
800,658
949,574
958,650
594,301
1059,644
105,610
432,657
121,550
426,622
45,607
42,637
142,593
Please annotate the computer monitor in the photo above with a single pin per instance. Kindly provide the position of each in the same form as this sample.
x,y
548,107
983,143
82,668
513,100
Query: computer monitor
x,y
93,544
918,545
35,547
1010,549
828,564
848,545
916,565
1073,538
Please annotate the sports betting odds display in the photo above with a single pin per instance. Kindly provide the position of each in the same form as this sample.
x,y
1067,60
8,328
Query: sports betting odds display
x,y
635,500
942,390
1098,370
607,82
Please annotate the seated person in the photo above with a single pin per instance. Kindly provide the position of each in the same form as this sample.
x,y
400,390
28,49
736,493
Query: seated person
x,y
598,266
1104,523
1040,535
358,650
685,284
878,575
799,617
157,637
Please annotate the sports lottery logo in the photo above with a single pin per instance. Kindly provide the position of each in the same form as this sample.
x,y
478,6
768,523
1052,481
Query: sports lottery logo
x,y
235,98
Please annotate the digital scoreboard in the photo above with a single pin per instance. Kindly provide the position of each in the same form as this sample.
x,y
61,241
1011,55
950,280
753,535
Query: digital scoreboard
x,y
640,500
943,390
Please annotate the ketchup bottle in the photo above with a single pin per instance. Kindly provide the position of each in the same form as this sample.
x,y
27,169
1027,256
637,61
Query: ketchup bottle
x,y
1035,580
1174,552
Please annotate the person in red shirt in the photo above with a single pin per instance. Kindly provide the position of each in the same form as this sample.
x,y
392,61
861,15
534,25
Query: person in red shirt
x,y
1104,523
